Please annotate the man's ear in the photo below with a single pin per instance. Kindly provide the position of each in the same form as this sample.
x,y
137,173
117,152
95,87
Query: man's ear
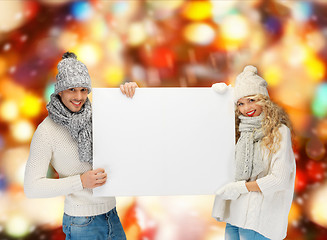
x,y
59,94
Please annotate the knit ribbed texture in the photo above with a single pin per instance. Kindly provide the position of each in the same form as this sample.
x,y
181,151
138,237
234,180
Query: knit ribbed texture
x,y
265,212
53,144
79,124
72,73
248,157
249,83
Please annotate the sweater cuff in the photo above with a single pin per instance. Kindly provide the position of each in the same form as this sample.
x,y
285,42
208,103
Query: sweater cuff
x,y
76,183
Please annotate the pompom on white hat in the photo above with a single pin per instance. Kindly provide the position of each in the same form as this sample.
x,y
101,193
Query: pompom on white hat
x,y
249,83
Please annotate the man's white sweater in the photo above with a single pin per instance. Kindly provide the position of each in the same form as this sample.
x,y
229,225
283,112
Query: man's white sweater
x,y
53,144
267,211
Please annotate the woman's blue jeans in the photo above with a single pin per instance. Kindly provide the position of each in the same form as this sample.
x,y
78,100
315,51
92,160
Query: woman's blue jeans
x,y
99,227
237,233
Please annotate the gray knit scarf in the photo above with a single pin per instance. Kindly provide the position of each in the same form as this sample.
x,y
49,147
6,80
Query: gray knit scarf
x,y
248,157
79,125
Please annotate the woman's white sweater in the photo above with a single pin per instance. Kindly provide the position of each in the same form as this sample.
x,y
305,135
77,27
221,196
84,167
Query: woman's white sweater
x,y
267,211
53,144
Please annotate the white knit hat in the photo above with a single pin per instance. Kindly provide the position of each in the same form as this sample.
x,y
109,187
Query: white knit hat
x,y
249,83
71,73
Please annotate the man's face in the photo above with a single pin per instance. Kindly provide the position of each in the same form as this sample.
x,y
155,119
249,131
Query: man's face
x,y
74,98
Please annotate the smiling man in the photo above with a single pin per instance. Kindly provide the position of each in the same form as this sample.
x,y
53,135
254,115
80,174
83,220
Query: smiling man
x,y
74,98
64,140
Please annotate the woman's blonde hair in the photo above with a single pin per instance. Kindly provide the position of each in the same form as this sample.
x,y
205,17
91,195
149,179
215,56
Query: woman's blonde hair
x,y
274,117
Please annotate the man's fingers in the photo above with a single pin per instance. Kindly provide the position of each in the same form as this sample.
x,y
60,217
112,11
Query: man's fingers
x,y
122,89
99,184
101,181
133,91
98,170
129,90
133,86
101,176
126,90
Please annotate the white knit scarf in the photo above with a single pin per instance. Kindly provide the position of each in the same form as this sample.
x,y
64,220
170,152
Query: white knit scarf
x,y
79,124
248,157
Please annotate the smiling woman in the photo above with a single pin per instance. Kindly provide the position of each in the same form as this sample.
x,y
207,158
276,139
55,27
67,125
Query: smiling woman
x,y
264,175
248,107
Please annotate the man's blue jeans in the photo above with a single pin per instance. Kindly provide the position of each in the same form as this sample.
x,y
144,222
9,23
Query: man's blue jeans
x,y
99,227
237,233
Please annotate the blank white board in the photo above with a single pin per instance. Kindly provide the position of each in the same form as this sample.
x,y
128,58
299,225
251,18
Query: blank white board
x,y
163,141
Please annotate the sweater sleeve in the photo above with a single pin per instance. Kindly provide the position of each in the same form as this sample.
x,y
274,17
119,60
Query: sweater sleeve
x,y
282,168
36,184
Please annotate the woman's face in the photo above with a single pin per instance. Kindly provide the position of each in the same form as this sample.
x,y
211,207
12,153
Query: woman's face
x,y
74,98
248,107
